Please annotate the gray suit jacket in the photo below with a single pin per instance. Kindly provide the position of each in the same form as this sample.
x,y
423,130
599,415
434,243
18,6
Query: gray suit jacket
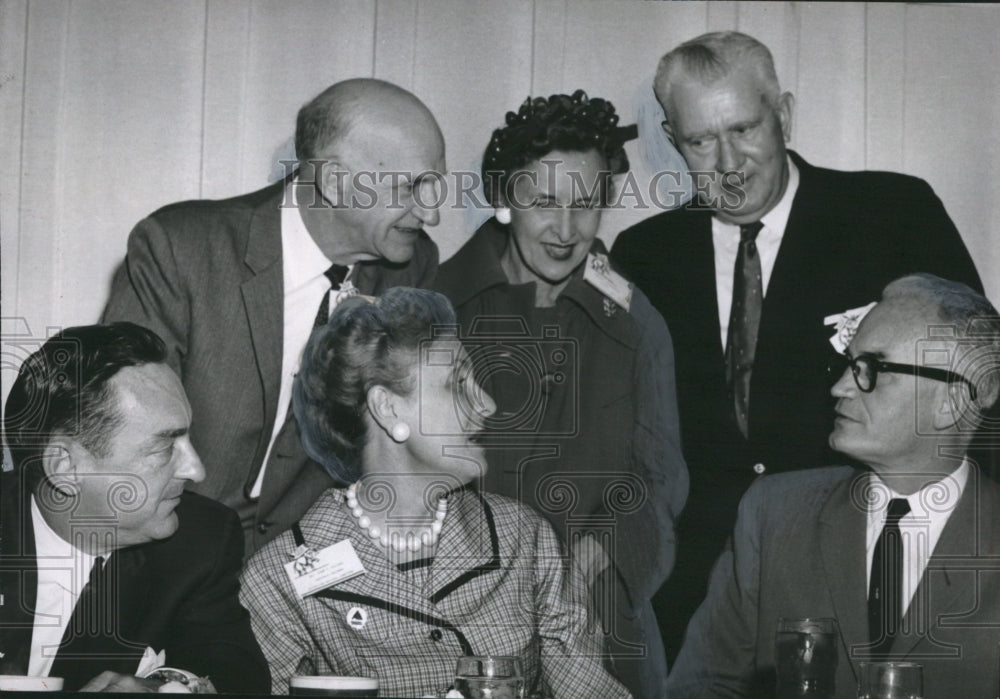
x,y
798,550
207,277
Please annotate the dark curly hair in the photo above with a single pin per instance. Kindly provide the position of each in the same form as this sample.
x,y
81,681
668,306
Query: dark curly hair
x,y
573,123
367,342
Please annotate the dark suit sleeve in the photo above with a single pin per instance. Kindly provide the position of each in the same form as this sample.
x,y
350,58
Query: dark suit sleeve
x,y
657,458
931,243
147,290
718,655
210,634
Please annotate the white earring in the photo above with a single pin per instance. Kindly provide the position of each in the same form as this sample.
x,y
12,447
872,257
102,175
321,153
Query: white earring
x,y
503,215
400,432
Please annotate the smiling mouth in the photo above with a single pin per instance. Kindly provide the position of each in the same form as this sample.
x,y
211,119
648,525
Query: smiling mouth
x,y
409,231
559,252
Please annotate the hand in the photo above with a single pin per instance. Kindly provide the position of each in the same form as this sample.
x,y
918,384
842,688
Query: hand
x,y
109,681
590,558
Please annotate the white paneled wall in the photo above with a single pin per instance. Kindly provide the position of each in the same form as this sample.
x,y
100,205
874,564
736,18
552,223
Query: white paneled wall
x,y
112,108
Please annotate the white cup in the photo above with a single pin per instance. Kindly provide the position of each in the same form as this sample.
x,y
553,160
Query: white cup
x,y
24,683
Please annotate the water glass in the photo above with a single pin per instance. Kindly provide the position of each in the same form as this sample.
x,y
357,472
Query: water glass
x,y
490,677
805,657
891,681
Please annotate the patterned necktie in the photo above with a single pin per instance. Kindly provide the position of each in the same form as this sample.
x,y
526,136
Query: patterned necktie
x,y
744,321
885,588
336,274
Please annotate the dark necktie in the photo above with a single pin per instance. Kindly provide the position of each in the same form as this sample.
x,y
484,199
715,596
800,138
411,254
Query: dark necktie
x,y
90,627
336,274
744,321
885,588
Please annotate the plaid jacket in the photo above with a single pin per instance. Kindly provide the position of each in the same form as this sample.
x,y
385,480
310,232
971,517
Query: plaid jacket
x,y
498,585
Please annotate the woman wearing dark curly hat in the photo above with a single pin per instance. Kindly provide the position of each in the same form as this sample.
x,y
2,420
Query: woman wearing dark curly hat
x,y
580,365
388,406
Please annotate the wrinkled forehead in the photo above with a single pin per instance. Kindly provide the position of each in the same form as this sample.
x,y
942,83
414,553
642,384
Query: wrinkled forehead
x,y
411,147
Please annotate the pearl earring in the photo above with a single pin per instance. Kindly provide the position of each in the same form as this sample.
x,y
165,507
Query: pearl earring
x,y
503,215
400,432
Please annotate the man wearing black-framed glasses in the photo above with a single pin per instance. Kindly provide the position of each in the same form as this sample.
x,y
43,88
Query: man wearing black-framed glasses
x,y
901,553
866,367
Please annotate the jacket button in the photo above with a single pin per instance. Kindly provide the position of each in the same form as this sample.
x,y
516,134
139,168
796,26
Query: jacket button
x,y
759,468
436,635
262,527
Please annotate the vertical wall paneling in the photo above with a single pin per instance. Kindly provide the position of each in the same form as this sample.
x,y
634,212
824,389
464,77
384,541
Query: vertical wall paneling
x,y
884,72
472,65
831,98
295,50
951,123
395,41
227,34
13,44
38,232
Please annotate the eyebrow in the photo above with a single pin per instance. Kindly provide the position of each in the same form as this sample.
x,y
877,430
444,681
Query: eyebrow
x,y
172,434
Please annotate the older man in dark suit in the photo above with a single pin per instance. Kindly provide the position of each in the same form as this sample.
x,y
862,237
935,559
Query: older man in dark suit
x,y
902,553
104,558
234,287
747,276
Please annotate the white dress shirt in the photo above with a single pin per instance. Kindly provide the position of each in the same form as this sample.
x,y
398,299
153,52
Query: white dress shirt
x,y
920,529
726,241
63,571
303,266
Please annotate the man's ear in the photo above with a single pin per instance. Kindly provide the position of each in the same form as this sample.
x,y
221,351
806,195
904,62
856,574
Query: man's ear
x,y
61,463
786,111
954,401
332,180
382,407
669,131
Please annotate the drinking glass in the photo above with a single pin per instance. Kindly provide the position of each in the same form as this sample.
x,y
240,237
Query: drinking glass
x,y
490,677
891,681
805,653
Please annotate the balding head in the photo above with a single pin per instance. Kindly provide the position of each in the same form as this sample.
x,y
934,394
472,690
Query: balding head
x,y
374,105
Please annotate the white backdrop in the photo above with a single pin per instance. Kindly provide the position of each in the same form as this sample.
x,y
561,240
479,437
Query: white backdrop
x,y
112,108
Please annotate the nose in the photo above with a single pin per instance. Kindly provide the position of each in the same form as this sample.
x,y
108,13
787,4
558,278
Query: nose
x,y
189,465
564,228
426,204
482,404
728,157
844,386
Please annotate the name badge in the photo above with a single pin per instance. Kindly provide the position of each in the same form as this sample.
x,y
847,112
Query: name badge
x,y
599,274
311,571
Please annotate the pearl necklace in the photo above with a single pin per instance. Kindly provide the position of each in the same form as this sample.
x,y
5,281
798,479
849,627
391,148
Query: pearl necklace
x,y
397,540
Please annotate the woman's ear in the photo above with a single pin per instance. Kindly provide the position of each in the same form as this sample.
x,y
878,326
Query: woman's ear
x,y
382,407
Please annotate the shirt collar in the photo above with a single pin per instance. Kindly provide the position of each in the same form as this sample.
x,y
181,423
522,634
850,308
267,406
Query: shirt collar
x,y
53,553
936,499
303,261
776,219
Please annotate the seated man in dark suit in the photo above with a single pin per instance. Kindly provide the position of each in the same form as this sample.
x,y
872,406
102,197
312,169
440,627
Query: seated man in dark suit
x,y
901,553
747,274
235,286
103,554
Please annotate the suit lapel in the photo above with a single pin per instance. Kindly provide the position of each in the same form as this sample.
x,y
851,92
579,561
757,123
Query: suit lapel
x,y
947,585
263,295
842,549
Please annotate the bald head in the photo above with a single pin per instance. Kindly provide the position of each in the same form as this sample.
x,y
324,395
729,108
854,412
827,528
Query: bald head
x,y
373,105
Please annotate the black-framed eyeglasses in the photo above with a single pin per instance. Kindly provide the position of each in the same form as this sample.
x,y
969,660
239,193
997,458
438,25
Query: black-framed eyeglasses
x,y
866,367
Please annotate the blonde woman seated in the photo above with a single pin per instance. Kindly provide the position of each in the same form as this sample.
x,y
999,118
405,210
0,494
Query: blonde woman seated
x,y
388,405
